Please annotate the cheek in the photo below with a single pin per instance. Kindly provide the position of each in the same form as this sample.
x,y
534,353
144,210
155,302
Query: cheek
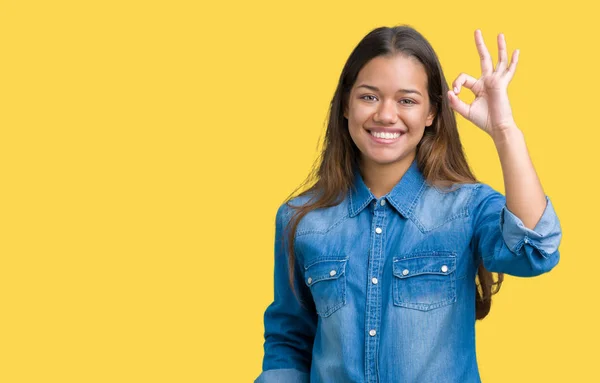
x,y
416,120
356,130
360,115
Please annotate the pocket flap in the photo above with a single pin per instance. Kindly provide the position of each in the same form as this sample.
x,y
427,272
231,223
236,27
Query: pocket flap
x,y
321,270
442,264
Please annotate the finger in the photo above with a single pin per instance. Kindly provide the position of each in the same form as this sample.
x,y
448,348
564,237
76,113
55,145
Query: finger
x,y
513,65
502,55
465,80
459,105
484,55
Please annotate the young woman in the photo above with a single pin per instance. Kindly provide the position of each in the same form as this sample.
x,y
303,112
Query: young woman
x,y
384,264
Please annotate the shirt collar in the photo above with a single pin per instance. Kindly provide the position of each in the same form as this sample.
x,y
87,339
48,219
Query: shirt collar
x,y
402,196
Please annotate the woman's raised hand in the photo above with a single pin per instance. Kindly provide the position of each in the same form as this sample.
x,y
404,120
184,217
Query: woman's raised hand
x,y
491,109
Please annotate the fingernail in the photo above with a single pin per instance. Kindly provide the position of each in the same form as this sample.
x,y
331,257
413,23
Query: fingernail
x,y
455,90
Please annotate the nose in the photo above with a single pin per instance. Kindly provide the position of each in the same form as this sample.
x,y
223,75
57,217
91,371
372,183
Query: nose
x,y
386,113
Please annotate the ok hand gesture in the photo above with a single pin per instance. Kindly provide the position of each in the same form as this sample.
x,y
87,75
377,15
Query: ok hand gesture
x,y
491,109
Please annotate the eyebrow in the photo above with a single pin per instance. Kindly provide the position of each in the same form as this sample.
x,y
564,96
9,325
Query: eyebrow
x,y
374,88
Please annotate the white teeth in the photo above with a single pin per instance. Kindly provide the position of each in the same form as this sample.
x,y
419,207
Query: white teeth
x,y
385,135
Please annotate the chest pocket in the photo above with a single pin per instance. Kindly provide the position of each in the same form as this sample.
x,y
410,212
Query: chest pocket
x,y
327,282
424,281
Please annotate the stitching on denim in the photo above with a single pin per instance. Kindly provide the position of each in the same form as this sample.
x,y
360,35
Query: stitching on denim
x,y
450,219
410,214
350,202
341,282
473,192
420,254
312,231
354,211
519,246
329,259
544,253
451,268
322,277
417,196
463,213
364,204
332,309
427,307
423,307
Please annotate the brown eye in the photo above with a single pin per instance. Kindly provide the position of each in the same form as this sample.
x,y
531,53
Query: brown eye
x,y
374,98
408,101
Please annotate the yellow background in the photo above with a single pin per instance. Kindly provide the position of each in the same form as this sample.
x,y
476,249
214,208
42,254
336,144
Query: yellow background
x,y
146,145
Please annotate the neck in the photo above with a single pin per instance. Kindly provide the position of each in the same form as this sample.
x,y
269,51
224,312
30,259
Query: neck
x,y
380,179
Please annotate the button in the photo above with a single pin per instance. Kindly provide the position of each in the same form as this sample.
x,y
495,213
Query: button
x,y
374,280
372,332
526,240
309,280
405,272
378,230
444,268
332,273
382,202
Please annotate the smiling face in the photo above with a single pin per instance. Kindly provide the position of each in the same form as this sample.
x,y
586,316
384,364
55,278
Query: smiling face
x,y
388,110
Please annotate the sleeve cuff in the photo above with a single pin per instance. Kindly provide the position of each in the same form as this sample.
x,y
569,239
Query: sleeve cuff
x,y
545,236
287,375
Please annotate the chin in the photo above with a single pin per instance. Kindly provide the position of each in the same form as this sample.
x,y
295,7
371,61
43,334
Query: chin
x,y
386,160
389,156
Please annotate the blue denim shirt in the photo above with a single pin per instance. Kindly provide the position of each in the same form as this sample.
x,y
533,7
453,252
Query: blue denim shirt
x,y
389,283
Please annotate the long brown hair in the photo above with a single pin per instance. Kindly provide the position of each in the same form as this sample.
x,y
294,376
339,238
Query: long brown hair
x,y
440,155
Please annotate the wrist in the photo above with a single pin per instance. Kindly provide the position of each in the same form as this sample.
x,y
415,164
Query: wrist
x,y
503,136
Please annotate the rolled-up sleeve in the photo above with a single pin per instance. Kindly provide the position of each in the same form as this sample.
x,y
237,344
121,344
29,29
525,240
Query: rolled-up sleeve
x,y
505,245
289,326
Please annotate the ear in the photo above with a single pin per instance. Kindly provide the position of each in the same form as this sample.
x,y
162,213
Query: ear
x,y
430,117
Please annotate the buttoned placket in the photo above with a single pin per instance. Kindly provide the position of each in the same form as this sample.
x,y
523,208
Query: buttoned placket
x,y
374,295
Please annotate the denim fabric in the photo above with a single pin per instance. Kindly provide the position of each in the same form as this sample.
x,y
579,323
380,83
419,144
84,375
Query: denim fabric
x,y
388,284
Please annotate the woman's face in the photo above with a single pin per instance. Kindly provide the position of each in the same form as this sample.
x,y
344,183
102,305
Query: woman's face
x,y
388,110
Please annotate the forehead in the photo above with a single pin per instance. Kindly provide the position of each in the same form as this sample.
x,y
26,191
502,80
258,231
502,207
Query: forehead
x,y
390,73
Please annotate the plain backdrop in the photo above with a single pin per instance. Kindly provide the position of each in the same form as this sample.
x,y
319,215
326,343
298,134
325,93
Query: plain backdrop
x,y
146,145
